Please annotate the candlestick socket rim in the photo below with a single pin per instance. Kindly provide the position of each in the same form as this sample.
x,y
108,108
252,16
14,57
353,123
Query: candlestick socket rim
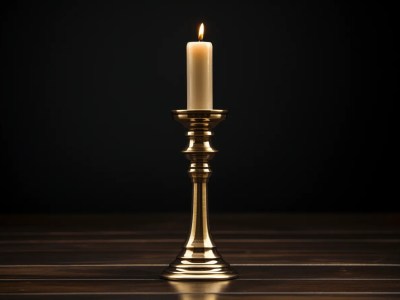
x,y
194,111
199,119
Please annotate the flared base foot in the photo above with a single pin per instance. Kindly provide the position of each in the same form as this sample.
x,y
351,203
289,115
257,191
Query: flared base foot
x,y
184,268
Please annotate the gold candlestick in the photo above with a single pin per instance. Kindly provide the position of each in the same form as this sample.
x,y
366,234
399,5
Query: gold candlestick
x,y
199,258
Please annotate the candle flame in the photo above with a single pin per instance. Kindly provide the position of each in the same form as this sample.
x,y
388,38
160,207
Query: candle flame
x,y
201,32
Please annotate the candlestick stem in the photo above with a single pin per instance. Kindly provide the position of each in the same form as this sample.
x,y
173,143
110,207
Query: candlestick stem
x,y
199,258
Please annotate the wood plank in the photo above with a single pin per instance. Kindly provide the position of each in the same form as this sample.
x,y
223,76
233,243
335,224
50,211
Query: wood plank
x,y
246,272
243,254
198,297
85,258
258,246
5,242
238,286
270,235
181,221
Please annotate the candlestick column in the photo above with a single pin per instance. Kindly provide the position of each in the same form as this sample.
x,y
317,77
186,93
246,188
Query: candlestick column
x,y
199,258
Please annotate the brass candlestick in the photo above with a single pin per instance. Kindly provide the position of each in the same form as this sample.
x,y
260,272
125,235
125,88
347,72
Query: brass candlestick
x,y
199,258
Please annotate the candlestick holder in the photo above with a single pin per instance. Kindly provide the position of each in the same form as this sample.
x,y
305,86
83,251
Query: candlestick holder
x,y
199,258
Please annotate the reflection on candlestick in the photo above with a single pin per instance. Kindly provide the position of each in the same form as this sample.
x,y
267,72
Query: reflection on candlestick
x,y
192,290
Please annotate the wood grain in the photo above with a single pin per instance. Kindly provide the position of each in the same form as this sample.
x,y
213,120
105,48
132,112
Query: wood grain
x,y
389,286
66,272
278,257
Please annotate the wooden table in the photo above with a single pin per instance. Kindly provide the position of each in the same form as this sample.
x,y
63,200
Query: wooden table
x,y
278,256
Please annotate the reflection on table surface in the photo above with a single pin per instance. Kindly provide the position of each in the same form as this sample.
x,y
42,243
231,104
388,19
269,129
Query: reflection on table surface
x,y
199,290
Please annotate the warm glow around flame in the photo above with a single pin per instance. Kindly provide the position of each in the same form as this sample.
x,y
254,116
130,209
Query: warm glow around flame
x,y
201,32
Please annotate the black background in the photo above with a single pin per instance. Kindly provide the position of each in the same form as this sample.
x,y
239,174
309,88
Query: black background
x,y
87,89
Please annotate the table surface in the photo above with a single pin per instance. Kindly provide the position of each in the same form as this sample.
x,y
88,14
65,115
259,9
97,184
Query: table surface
x,y
278,256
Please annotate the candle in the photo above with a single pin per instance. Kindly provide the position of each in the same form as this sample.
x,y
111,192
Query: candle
x,y
199,73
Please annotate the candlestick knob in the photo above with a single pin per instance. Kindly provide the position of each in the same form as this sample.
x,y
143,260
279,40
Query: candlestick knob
x,y
199,258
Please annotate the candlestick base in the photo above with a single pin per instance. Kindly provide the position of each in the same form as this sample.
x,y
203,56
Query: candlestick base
x,y
199,259
199,264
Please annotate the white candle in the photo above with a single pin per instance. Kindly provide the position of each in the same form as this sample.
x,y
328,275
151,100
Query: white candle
x,y
199,73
